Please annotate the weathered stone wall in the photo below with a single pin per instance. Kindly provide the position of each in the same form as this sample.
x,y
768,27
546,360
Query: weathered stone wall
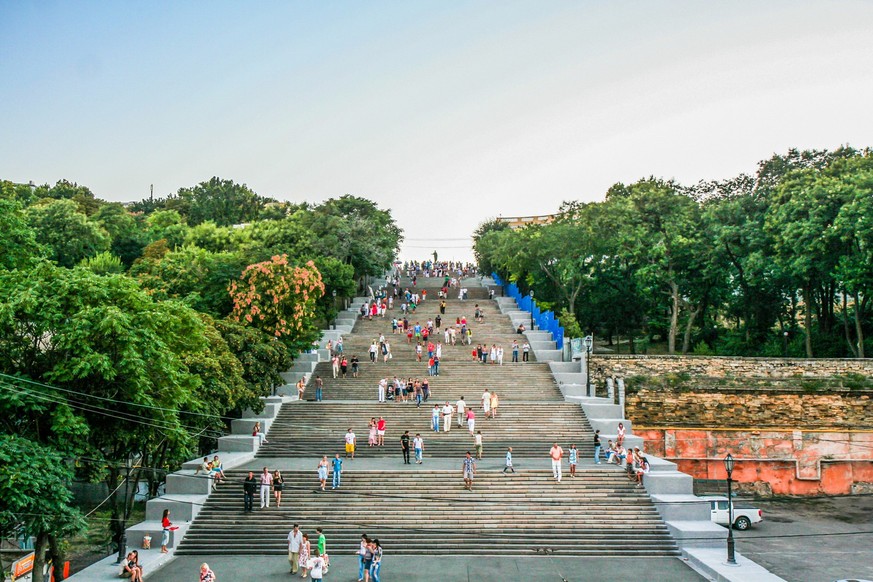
x,y
749,408
794,426
726,367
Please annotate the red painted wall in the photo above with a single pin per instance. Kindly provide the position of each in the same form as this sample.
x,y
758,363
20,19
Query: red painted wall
x,y
790,462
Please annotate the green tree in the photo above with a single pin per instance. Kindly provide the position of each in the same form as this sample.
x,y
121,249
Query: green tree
x,y
168,225
36,498
18,243
128,367
356,231
339,284
223,202
263,357
207,235
127,236
853,179
85,200
667,239
70,235
103,264
193,275
483,257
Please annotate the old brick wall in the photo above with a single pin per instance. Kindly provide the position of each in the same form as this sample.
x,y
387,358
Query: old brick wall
x,y
786,442
749,408
723,367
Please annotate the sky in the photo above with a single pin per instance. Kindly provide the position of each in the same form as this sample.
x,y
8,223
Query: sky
x,y
448,113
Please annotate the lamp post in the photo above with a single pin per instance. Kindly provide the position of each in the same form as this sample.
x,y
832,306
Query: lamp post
x,y
785,343
334,308
588,342
531,310
729,467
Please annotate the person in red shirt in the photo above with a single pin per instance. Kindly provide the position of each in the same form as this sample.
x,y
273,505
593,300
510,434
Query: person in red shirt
x,y
167,526
380,432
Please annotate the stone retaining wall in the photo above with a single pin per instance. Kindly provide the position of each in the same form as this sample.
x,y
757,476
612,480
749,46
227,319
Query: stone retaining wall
x,y
722,367
752,409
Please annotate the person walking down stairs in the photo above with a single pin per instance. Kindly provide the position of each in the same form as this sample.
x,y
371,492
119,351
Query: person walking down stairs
x,y
404,446
557,454
266,483
418,445
508,466
469,469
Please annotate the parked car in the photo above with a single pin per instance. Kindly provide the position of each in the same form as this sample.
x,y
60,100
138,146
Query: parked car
x,y
744,517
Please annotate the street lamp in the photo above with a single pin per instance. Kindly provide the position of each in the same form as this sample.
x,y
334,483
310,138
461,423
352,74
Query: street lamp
x,y
531,310
334,308
729,467
785,342
588,342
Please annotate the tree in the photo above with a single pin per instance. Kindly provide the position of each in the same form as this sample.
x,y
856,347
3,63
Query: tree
x,y
483,258
103,264
70,235
356,231
279,299
806,245
207,235
853,178
129,368
193,275
667,240
35,497
18,244
128,239
85,200
339,283
223,202
263,357
168,225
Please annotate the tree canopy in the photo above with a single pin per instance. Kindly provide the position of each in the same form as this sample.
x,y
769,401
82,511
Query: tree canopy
x,y
138,332
768,264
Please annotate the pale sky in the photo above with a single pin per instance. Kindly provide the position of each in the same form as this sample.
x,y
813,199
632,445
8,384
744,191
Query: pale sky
x,y
446,112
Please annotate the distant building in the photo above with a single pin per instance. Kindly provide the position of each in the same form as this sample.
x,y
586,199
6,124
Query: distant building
x,y
522,221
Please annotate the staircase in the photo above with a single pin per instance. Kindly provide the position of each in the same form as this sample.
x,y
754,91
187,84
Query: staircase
x,y
425,509
430,512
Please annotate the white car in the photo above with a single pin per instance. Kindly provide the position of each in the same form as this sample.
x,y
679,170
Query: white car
x,y
744,517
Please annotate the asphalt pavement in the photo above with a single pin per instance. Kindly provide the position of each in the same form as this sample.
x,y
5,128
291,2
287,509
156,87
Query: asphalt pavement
x,y
813,539
441,569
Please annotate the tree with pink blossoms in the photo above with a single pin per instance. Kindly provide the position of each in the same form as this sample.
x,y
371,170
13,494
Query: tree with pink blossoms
x,y
280,299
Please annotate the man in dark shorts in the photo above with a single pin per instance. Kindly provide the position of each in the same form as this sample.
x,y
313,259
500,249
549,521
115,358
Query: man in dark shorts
x,y
404,445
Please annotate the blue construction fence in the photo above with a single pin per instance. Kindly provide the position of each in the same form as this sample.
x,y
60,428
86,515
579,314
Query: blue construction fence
x,y
545,320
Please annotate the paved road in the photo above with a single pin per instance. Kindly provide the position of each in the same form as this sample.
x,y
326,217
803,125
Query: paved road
x,y
813,540
442,569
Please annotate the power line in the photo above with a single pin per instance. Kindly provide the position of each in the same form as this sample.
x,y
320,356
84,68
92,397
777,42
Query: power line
x,y
466,238
106,399
127,417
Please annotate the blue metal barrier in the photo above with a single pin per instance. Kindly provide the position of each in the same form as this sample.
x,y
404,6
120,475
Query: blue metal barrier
x,y
545,320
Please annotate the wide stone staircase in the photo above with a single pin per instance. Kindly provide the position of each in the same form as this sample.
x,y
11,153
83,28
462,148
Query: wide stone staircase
x,y
429,512
425,509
